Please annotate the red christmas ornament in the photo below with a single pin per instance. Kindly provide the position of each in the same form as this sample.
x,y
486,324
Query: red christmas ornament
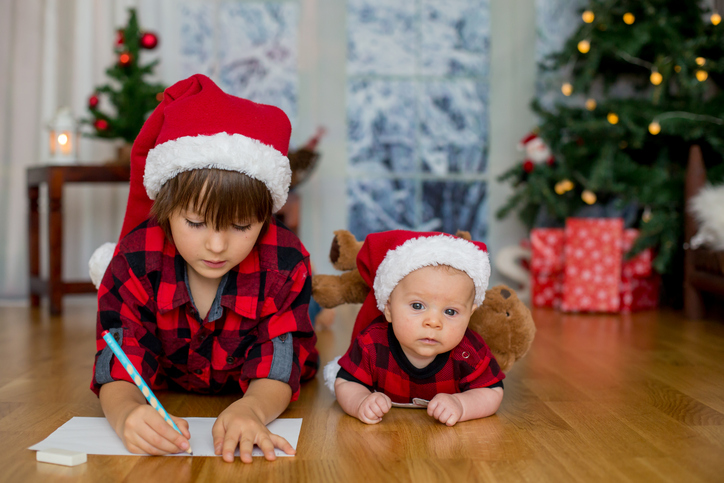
x,y
93,101
528,166
120,38
124,59
149,40
101,124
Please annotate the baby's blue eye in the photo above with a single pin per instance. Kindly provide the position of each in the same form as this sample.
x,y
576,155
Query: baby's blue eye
x,y
451,312
416,306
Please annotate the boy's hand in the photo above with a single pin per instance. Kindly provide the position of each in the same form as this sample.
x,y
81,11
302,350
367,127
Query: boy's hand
x,y
373,407
144,431
446,408
238,425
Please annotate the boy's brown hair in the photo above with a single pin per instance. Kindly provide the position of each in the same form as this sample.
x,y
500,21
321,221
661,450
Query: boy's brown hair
x,y
223,198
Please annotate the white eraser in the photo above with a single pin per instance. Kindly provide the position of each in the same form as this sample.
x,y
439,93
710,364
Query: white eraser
x,y
61,457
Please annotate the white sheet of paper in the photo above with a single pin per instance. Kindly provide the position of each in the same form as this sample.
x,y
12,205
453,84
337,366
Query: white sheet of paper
x,y
95,436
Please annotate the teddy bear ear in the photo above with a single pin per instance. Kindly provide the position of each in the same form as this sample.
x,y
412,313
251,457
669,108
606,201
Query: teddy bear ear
x,y
465,235
344,249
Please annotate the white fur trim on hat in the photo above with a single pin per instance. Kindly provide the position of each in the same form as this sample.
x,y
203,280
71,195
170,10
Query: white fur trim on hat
x,y
432,251
99,261
231,152
330,372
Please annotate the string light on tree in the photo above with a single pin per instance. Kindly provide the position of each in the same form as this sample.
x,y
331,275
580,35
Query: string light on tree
x,y
584,46
563,186
588,197
715,18
677,68
702,75
588,16
612,118
591,104
656,78
124,59
567,89
654,128
629,18
700,61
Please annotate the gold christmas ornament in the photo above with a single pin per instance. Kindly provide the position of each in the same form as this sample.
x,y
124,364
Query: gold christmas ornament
x,y
629,18
584,46
591,104
700,60
588,197
656,78
612,118
567,89
654,128
702,75
588,16
715,18
646,216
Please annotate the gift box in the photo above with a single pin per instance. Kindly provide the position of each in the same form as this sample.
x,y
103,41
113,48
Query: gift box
x,y
640,285
546,266
593,265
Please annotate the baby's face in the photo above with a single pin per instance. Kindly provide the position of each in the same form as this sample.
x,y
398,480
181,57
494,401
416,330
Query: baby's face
x,y
429,311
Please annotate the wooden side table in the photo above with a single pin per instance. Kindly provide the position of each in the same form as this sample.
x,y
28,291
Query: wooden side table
x,y
55,177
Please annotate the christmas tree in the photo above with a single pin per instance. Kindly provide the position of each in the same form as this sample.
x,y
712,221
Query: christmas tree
x,y
642,80
131,97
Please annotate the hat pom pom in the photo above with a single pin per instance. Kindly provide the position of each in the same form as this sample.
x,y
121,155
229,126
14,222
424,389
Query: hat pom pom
x,y
330,372
99,262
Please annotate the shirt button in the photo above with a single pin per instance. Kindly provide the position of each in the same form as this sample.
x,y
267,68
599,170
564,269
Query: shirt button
x,y
198,372
201,337
465,355
283,337
230,360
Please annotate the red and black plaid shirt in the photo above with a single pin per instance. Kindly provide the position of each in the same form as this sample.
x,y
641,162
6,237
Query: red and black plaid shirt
x,y
375,360
258,326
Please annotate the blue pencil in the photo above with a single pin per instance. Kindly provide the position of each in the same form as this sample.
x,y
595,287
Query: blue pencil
x,y
149,395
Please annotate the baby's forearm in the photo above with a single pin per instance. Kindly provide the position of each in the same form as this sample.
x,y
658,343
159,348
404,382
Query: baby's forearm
x,y
480,402
350,395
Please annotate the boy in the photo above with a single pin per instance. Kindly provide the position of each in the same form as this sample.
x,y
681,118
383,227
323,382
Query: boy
x,y
206,292
416,343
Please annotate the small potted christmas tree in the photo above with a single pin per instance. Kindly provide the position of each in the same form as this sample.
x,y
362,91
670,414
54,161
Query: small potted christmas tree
x,y
131,97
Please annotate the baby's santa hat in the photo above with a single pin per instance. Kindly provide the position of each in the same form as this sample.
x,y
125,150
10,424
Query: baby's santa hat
x,y
387,257
197,126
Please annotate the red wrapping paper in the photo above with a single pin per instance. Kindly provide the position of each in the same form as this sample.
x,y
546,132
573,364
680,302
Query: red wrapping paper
x,y
593,265
546,266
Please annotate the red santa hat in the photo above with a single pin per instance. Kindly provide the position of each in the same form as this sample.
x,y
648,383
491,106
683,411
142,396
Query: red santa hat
x,y
387,257
196,126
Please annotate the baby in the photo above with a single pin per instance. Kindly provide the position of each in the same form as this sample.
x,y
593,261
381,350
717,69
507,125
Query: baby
x,y
415,344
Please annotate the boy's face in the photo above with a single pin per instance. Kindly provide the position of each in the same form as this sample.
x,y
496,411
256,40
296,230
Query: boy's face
x,y
429,311
210,253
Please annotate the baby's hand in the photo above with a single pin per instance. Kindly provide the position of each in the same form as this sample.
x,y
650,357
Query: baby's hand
x,y
373,407
145,431
446,408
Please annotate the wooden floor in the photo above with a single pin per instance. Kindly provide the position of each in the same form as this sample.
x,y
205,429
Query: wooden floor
x,y
599,398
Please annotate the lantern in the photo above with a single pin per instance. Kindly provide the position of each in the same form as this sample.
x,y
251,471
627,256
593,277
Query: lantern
x,y
63,138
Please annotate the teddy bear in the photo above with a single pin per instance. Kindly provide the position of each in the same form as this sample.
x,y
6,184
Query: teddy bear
x,y
503,320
